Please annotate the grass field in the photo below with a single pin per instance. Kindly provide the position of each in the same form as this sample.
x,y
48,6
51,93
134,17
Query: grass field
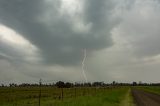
x,y
51,96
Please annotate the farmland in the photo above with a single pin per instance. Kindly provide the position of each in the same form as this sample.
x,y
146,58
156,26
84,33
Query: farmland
x,y
80,96
52,96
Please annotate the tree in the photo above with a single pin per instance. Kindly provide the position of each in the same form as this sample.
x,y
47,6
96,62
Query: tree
x,y
134,84
68,85
60,84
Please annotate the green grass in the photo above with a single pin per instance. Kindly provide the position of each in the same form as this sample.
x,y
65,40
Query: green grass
x,y
50,96
128,100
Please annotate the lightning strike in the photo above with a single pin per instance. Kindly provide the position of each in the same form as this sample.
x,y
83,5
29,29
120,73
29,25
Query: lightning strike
x,y
83,65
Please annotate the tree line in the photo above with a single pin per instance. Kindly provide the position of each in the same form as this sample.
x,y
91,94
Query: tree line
x,y
61,84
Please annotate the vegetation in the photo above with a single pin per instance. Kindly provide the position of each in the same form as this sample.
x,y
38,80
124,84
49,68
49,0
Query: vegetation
x,y
128,100
53,96
153,89
69,94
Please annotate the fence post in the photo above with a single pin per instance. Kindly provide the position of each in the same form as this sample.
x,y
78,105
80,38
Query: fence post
x,y
84,92
75,92
95,90
40,83
62,93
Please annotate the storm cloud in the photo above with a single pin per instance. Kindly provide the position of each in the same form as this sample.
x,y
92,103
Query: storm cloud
x,y
46,39
61,36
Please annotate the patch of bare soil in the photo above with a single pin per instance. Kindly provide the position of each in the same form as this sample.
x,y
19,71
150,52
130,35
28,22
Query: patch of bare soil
x,y
143,98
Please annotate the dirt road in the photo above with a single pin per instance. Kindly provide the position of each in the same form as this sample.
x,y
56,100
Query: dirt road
x,y
143,98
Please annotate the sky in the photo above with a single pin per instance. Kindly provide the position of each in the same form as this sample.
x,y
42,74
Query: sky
x,y
47,39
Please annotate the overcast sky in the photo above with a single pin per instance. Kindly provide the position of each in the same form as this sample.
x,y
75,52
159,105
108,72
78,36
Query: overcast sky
x,y
47,38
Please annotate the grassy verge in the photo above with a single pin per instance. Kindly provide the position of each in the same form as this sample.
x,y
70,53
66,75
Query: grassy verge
x,y
128,99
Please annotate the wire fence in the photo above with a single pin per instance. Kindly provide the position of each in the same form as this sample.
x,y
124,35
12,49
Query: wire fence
x,y
36,94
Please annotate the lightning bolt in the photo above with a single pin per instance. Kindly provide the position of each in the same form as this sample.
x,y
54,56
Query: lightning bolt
x,y
83,64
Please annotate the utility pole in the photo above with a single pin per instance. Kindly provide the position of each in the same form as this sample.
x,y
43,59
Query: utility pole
x,y
40,83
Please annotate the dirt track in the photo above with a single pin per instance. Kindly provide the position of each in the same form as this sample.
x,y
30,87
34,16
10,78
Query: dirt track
x,y
143,98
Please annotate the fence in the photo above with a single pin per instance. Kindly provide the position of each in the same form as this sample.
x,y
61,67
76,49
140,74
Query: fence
x,y
35,94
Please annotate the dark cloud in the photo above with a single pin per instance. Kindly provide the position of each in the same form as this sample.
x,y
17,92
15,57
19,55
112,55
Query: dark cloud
x,y
56,36
58,42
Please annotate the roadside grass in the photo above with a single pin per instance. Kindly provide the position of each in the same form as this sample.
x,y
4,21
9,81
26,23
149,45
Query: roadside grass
x,y
128,100
103,97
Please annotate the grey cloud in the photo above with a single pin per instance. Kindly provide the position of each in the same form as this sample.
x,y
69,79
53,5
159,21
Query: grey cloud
x,y
58,43
133,57
140,27
3,57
